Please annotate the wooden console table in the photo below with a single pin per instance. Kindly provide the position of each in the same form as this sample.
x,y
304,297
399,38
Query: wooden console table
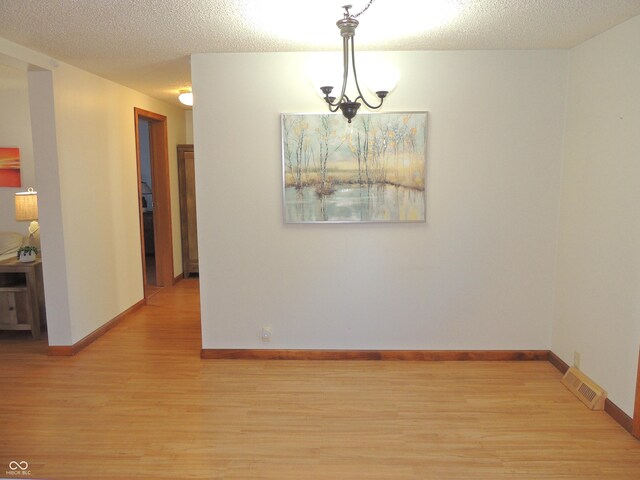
x,y
22,296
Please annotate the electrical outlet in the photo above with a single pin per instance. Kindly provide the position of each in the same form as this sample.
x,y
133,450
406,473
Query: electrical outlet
x,y
576,359
266,334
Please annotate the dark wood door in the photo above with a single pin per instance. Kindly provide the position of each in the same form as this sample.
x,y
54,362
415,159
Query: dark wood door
x,y
188,221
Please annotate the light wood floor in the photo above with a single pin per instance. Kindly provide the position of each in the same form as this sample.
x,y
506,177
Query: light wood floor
x,y
139,403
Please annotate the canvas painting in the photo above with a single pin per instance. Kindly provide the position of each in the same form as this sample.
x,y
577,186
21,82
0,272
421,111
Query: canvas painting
x,y
9,167
371,170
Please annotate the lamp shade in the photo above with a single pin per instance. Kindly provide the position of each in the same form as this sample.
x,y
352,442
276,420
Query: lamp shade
x,y
27,205
186,97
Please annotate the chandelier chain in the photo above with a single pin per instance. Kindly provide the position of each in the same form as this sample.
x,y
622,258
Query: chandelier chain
x,y
363,10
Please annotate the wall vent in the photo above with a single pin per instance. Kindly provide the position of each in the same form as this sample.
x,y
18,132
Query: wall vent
x,y
585,389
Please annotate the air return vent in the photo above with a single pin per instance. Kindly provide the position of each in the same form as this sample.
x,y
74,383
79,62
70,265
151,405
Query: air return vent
x,y
585,389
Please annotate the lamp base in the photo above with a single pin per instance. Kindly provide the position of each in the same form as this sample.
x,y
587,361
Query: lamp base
x,y
34,235
34,227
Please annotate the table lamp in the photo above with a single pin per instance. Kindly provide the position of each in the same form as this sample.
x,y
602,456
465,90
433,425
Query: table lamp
x,y
27,210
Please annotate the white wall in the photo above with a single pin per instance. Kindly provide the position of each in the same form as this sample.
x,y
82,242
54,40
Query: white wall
x,y
478,275
15,131
45,150
188,118
598,297
98,185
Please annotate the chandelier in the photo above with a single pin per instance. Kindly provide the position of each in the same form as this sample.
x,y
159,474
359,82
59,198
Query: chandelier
x,y
349,108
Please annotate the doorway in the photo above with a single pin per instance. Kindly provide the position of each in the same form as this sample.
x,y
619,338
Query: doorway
x,y
154,200
146,192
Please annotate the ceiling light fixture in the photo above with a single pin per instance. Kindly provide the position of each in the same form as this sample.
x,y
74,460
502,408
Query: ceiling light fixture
x,y
186,97
347,26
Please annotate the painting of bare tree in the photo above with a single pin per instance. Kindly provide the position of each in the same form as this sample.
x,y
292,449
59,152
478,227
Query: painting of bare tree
x,y
372,170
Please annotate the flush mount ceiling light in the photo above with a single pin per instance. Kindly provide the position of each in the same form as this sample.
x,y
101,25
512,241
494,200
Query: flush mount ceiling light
x,y
349,108
186,97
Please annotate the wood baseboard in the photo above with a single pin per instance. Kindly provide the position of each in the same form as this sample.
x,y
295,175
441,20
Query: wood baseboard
x,y
611,408
557,362
618,415
635,430
70,350
388,355
178,278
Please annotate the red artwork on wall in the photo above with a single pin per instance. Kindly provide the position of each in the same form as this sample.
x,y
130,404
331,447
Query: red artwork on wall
x,y
9,167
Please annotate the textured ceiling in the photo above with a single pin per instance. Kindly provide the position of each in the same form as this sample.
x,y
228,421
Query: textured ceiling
x,y
145,44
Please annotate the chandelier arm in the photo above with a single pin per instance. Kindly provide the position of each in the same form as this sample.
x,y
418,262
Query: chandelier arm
x,y
355,77
345,68
345,73
334,103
